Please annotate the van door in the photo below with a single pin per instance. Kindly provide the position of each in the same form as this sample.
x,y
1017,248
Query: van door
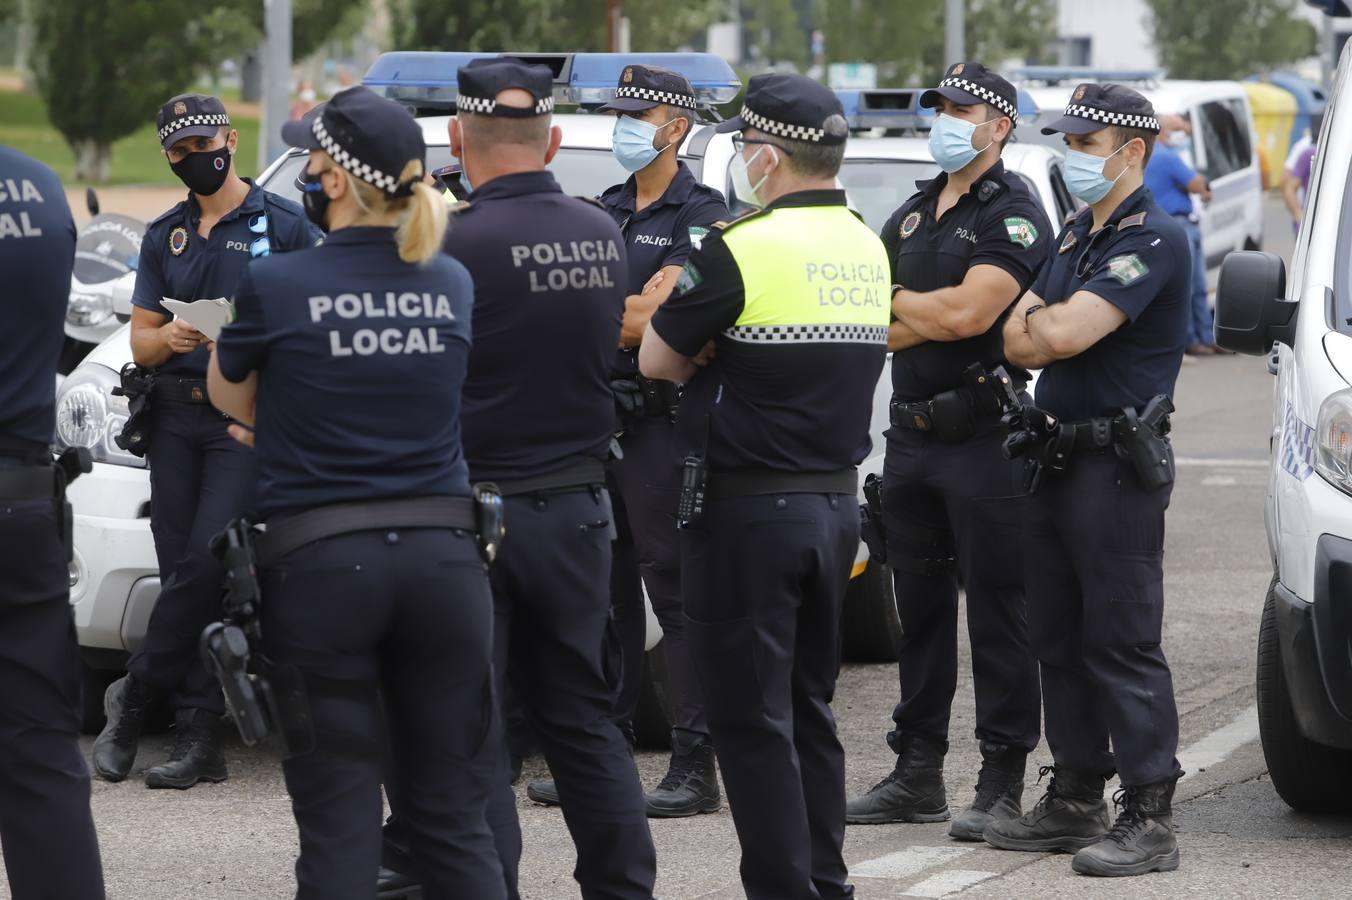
x,y
1225,156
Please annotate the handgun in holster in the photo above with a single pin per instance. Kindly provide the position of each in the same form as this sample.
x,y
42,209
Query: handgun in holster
x,y
1036,436
659,397
1142,442
267,701
490,522
137,386
871,528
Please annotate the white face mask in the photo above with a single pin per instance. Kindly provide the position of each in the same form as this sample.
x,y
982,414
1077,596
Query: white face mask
x,y
741,176
307,95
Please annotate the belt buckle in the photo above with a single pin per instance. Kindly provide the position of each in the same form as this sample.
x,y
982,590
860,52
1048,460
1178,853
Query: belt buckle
x,y
197,394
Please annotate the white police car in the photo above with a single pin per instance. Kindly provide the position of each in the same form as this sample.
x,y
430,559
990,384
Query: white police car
x,y
114,578
1305,639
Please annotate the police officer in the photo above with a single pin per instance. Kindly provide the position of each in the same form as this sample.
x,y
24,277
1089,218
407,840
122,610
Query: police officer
x,y
660,209
1108,319
199,477
353,354
50,846
795,302
963,249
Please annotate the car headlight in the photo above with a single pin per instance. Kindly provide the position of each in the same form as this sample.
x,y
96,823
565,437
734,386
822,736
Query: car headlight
x,y
1333,441
89,308
89,415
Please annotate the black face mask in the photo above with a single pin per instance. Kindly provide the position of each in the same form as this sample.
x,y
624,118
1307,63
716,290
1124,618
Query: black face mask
x,y
203,172
315,201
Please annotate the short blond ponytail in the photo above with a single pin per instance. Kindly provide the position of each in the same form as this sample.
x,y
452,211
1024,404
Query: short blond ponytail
x,y
422,226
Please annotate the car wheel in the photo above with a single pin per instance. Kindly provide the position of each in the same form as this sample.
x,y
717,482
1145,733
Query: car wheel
x,y
652,718
870,628
1310,777
93,685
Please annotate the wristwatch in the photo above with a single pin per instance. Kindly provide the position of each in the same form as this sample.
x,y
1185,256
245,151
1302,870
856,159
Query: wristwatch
x,y
1028,313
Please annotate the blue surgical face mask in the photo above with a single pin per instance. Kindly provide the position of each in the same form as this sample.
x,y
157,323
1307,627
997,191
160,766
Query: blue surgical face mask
x,y
1084,175
633,142
950,142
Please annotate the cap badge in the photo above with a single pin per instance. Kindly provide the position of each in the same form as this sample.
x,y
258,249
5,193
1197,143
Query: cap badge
x,y
1067,242
628,74
1079,93
956,70
910,224
178,240
180,108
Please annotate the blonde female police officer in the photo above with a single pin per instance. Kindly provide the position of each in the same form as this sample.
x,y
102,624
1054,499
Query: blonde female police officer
x,y
353,354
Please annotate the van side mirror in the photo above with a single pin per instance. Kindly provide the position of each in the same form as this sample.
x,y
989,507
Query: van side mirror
x,y
1252,311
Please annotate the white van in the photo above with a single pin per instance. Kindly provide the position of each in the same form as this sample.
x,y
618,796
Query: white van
x,y
1223,144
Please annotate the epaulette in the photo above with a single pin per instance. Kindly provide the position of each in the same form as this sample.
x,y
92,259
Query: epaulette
x,y
593,201
457,207
1131,221
733,223
1075,214
172,211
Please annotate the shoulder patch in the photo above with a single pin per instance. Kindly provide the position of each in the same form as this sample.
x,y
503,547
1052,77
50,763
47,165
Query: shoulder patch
x,y
1132,221
1127,269
697,233
689,279
1021,231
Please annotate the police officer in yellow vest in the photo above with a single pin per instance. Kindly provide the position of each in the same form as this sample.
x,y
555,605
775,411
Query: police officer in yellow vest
x,y
778,328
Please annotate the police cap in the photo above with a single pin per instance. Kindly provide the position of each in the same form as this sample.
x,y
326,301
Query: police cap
x,y
372,138
1094,107
788,106
970,83
483,79
189,115
643,87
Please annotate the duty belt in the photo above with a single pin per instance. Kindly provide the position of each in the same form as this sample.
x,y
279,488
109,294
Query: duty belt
x,y
28,483
180,390
578,474
951,416
757,482
293,532
1094,434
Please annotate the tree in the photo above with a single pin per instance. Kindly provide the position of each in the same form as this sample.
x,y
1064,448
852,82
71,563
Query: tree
x,y
1220,39
523,25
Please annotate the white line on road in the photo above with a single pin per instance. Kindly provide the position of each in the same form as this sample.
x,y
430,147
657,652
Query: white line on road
x,y
1216,746
905,863
951,882
1212,462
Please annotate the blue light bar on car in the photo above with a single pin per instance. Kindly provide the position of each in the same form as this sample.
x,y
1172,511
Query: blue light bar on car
x,y
1076,74
893,109
428,79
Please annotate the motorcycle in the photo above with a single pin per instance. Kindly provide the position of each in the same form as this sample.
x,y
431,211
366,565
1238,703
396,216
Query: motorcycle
x,y
107,248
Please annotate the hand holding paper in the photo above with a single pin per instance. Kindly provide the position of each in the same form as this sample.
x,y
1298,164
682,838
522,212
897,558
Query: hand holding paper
x,y
207,316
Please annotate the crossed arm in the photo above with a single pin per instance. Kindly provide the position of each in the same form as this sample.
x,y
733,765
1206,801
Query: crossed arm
x,y
1059,331
954,313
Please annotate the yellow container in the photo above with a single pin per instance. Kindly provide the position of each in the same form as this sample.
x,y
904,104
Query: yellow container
x,y
1274,114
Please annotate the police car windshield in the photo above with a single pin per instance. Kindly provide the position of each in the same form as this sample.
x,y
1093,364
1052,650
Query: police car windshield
x,y
878,187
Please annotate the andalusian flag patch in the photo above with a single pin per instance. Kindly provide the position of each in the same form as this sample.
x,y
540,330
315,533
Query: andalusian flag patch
x,y
1127,269
697,235
1021,232
689,279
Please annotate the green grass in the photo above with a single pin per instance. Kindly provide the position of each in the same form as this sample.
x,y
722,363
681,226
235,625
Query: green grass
x,y
136,158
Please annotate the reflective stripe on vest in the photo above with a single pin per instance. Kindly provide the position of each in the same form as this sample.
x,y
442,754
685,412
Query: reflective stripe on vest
x,y
812,274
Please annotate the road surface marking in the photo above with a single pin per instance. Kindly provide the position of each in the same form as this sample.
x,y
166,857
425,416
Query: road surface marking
x,y
951,882
1212,462
1220,481
1215,747
908,862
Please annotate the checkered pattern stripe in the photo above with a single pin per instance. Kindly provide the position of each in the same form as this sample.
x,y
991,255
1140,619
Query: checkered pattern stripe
x,y
189,121
782,129
1297,450
665,97
807,334
1122,120
387,183
486,105
985,94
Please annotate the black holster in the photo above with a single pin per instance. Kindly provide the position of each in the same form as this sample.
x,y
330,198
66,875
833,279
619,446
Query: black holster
x,y
70,465
871,528
137,386
1142,442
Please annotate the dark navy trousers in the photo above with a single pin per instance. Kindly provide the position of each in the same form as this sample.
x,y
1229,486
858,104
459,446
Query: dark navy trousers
x,y
391,630
555,641
944,500
648,482
764,579
1094,553
200,479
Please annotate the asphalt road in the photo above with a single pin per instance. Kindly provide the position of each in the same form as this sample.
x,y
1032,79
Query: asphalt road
x,y
238,840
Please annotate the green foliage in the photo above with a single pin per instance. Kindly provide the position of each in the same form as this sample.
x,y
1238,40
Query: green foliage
x,y
524,25
1218,39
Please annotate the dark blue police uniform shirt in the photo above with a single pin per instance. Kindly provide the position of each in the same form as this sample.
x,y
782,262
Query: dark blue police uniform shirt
x,y
37,254
661,233
997,223
1167,176
549,277
211,267
1139,262
360,359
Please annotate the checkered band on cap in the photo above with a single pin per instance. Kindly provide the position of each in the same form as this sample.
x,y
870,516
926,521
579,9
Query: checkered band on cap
x,y
782,129
387,183
641,93
986,94
189,121
486,105
1123,120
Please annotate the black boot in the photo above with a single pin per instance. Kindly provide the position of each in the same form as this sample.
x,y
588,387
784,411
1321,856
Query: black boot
x,y
690,788
999,791
197,754
1069,816
127,703
546,792
912,792
395,885
395,880
1141,841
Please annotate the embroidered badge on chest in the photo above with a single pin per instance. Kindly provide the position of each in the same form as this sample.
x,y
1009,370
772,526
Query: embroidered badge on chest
x,y
178,241
910,224
1067,242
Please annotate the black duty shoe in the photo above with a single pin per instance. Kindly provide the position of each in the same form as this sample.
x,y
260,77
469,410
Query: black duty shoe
x,y
196,756
690,788
1071,815
1141,841
912,792
999,791
546,792
127,703
392,885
